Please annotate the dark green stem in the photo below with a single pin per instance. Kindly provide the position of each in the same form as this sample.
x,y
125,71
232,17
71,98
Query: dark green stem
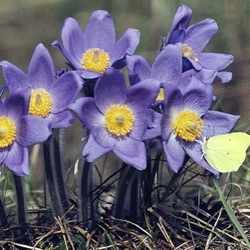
x,y
58,171
86,208
21,204
50,177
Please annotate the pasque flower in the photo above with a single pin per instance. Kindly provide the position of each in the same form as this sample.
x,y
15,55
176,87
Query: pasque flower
x,y
117,118
194,39
93,51
187,120
18,130
49,96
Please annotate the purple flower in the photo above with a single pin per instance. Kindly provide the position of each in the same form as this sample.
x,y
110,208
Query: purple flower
x,y
93,51
194,39
18,131
49,96
117,118
187,120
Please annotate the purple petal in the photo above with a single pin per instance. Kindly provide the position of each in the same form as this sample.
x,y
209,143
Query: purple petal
x,y
180,23
138,68
3,154
14,77
110,89
100,31
215,61
174,153
41,68
72,60
126,45
92,150
195,152
143,94
225,76
198,97
32,130
87,112
216,123
199,34
63,119
65,90
17,105
103,137
168,64
17,160
131,152
73,38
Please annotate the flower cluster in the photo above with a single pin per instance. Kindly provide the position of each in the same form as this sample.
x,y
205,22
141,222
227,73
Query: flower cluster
x,y
169,100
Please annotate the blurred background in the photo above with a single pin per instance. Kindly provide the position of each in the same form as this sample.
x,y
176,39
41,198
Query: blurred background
x,y
24,24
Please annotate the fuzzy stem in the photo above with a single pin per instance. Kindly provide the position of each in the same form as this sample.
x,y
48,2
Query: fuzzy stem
x,y
21,204
86,209
50,177
58,171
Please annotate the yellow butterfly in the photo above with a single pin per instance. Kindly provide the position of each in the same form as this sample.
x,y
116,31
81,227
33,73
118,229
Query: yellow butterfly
x,y
227,152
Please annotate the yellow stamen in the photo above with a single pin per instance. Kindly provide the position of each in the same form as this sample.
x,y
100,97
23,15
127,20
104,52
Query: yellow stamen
x,y
119,120
96,60
160,96
187,125
188,52
7,132
40,103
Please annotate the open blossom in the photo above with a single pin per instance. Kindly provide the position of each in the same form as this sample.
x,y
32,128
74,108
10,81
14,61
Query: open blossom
x,y
50,97
117,118
91,52
187,120
18,130
194,39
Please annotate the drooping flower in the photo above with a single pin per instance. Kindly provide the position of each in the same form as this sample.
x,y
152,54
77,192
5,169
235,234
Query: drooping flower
x,y
93,51
18,130
117,118
186,120
194,39
50,97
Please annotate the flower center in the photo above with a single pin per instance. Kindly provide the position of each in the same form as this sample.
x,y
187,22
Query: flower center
x,y
188,52
187,125
7,132
96,60
119,119
40,103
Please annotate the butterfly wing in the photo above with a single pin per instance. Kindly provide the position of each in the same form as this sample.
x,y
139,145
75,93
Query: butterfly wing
x,y
226,153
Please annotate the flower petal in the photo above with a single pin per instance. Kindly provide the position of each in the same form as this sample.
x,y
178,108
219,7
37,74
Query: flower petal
x,y
138,68
215,61
216,123
92,150
174,153
41,68
100,32
14,77
73,38
143,94
110,89
199,34
65,90
32,130
167,67
225,76
63,119
131,152
17,160
126,45
87,112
